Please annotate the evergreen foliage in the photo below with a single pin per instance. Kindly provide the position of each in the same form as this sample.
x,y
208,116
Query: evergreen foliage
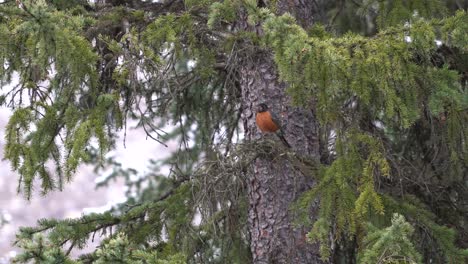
x,y
387,80
390,245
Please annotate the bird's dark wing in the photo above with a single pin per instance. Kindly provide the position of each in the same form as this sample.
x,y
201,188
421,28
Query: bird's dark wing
x,y
280,132
276,119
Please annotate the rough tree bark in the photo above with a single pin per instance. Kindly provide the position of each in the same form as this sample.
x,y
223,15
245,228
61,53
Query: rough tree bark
x,y
273,183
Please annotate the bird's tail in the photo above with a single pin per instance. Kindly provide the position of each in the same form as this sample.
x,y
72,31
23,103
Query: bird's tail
x,y
281,136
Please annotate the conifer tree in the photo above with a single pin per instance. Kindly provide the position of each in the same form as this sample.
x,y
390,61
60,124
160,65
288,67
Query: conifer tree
x,y
372,95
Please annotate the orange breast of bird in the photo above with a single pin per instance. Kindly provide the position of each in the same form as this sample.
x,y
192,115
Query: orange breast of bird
x,y
265,122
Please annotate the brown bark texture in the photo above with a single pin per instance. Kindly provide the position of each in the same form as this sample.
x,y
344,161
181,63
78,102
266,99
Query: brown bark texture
x,y
273,183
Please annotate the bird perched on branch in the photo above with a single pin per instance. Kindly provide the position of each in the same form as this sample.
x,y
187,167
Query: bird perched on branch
x,y
268,122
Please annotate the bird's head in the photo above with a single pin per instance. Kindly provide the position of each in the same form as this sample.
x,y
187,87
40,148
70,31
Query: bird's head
x,y
262,108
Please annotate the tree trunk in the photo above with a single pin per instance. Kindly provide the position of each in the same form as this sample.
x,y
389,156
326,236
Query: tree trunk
x,y
273,183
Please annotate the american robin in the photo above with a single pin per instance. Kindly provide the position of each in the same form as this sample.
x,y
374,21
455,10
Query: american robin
x,y
268,122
